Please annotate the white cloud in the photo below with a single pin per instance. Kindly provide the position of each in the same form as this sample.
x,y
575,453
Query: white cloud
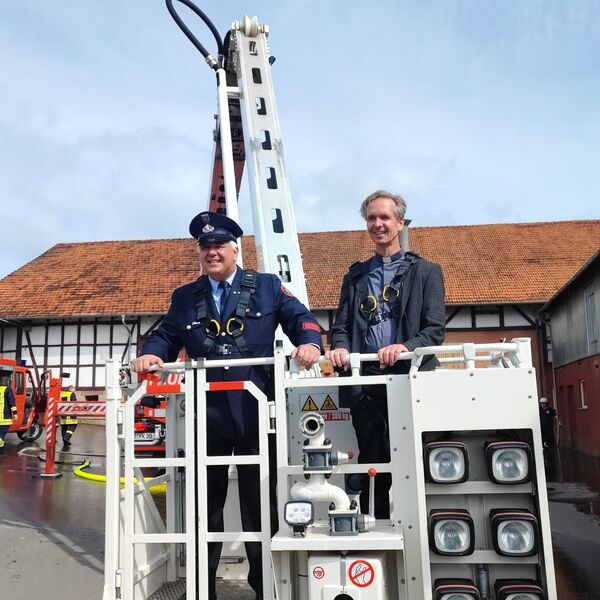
x,y
476,113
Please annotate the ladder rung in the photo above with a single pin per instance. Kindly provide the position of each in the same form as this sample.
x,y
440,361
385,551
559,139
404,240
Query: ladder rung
x,y
159,462
244,459
159,538
242,536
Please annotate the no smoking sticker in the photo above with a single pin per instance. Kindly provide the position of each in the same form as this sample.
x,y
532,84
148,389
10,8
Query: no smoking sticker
x,y
361,573
318,572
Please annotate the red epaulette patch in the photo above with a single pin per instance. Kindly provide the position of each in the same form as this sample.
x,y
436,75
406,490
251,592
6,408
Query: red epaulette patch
x,y
286,291
311,326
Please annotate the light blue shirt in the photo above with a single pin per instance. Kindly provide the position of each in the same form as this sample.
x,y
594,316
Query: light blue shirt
x,y
217,291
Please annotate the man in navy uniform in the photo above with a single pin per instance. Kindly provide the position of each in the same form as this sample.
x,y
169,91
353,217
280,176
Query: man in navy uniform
x,y
231,313
389,304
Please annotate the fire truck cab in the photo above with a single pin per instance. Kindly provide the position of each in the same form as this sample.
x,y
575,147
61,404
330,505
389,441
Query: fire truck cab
x,y
28,425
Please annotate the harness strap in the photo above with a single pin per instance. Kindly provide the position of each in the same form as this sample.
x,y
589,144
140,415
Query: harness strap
x,y
247,288
397,280
235,325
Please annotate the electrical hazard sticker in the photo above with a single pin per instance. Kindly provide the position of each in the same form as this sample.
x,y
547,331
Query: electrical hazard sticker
x,y
329,404
318,572
361,573
309,405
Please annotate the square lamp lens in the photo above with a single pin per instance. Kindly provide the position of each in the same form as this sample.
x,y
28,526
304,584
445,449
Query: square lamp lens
x,y
455,589
299,512
508,462
451,532
518,589
446,462
514,532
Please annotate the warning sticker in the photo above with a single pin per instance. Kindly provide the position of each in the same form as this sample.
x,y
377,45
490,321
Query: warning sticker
x,y
329,404
338,415
309,405
361,573
318,572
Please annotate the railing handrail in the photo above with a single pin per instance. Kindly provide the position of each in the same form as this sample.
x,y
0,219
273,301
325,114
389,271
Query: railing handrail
x,y
496,352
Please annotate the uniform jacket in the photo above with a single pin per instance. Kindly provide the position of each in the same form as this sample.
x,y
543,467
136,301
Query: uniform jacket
x,y
234,413
68,396
421,313
7,405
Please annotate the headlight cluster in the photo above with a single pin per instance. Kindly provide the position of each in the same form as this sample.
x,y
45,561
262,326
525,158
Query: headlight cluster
x,y
514,531
506,589
508,462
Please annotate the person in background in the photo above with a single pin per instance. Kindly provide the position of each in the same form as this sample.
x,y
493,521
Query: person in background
x,y
8,409
68,424
389,304
547,416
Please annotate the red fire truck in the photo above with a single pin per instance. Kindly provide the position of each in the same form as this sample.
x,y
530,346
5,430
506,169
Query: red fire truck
x,y
29,400
150,426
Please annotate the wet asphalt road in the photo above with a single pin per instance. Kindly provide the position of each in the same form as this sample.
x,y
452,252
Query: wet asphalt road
x,y
52,531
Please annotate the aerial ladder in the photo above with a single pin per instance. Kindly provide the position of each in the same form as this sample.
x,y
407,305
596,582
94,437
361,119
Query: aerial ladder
x,y
469,511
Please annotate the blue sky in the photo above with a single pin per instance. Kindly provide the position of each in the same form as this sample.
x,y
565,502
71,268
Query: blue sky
x,y
476,111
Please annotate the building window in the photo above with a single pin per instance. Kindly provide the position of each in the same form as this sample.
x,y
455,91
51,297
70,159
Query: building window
x,y
582,398
590,321
486,316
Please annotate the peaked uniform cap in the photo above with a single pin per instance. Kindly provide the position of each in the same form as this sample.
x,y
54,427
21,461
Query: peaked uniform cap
x,y
214,228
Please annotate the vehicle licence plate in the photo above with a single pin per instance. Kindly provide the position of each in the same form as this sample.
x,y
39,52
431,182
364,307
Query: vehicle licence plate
x,y
144,435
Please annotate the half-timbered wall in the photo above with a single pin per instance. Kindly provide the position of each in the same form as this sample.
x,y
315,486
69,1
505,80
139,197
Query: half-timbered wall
x,y
78,347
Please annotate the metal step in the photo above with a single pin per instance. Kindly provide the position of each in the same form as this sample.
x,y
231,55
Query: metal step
x,y
230,589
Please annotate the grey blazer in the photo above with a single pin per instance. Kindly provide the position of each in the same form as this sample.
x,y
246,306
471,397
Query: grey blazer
x,y
421,315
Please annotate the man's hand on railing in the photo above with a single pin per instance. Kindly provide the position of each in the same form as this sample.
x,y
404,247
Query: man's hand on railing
x,y
142,364
339,358
388,355
306,355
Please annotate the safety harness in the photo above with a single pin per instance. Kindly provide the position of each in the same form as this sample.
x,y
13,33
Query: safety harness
x,y
391,293
234,327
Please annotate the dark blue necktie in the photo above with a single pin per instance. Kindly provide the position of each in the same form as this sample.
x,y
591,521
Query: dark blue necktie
x,y
224,285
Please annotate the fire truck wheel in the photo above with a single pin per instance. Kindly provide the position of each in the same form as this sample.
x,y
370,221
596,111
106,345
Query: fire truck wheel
x,y
31,434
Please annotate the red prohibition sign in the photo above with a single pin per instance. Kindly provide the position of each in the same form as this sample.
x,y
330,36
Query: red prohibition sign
x,y
318,572
361,573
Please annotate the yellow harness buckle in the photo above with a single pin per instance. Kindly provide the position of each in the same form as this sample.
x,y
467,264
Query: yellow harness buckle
x,y
385,291
372,304
213,330
239,326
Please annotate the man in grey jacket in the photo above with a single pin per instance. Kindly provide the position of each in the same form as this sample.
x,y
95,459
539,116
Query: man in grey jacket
x,y
389,304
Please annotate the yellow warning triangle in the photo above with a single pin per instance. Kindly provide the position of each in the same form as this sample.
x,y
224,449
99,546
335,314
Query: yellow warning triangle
x,y
329,404
309,405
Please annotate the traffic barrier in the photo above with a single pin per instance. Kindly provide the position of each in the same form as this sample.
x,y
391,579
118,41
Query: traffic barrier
x,y
56,409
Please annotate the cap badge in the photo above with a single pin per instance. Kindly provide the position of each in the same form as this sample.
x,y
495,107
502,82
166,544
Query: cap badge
x,y
208,228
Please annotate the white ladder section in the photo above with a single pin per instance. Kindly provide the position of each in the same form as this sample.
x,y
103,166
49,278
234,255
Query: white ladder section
x,y
277,245
141,552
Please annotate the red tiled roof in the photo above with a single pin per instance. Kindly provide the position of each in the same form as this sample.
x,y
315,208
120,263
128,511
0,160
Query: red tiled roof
x,y
503,263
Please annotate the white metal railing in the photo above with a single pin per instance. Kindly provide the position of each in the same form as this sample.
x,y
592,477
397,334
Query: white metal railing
x,y
122,571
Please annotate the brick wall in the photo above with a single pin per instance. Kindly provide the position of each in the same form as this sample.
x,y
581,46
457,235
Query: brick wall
x,y
579,426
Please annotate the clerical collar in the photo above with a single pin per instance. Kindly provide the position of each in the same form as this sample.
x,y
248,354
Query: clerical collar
x,y
388,259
